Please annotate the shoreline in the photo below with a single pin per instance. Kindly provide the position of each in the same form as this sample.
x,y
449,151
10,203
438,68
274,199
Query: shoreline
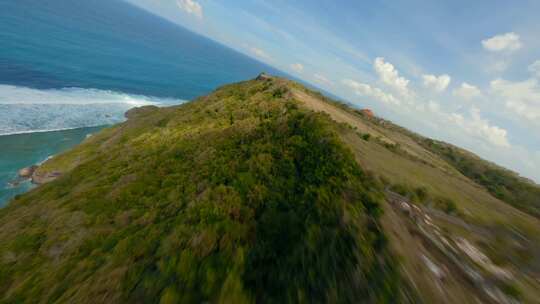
x,y
34,148
31,174
51,130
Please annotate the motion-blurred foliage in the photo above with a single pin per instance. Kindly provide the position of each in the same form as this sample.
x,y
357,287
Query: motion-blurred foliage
x,y
236,197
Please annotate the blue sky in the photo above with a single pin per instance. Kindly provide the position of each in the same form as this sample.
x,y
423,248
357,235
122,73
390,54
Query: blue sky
x,y
466,72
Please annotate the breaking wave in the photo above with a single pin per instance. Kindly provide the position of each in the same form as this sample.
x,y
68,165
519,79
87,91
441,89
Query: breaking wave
x,y
26,110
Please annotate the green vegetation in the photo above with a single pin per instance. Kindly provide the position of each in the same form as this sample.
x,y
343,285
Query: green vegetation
x,y
237,197
398,156
511,290
247,196
422,196
501,183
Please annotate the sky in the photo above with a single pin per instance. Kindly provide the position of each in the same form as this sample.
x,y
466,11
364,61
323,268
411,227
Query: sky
x,y
466,72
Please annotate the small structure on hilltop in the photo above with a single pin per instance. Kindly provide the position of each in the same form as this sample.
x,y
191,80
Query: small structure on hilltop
x,y
367,112
263,76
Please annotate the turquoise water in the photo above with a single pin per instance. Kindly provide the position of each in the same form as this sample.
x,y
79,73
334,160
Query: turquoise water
x,y
21,150
78,63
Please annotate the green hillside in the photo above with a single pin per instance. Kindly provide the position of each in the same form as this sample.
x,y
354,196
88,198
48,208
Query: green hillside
x,y
501,183
268,192
460,225
240,196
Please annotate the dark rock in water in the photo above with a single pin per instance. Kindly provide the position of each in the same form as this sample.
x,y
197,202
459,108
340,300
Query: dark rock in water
x,y
27,172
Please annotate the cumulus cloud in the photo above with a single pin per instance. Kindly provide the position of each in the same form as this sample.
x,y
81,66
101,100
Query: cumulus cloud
x,y
467,91
481,128
505,42
322,79
297,67
191,7
390,76
464,127
366,90
535,69
522,98
473,125
259,53
498,66
437,83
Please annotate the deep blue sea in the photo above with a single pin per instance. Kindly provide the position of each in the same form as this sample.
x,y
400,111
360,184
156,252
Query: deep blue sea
x,y
76,64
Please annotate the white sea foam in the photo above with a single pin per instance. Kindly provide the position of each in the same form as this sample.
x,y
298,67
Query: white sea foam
x,y
22,95
27,110
44,130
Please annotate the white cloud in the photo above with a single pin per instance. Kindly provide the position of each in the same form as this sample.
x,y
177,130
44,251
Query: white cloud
x,y
260,53
469,125
322,79
504,42
535,69
191,7
437,83
297,67
363,89
498,66
522,98
433,106
481,128
473,125
390,76
467,91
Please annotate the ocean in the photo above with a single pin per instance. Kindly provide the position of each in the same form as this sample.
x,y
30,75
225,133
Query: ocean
x,y
69,67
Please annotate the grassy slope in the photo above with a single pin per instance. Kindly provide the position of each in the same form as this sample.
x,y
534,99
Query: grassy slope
x,y
236,197
508,235
501,183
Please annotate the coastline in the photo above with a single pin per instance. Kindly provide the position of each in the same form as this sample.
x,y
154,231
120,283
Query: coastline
x,y
33,148
51,130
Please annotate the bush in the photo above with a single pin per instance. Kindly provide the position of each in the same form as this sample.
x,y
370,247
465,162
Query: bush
x,y
421,193
446,204
404,190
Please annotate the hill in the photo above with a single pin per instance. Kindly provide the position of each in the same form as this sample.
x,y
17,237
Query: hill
x,y
265,191
236,197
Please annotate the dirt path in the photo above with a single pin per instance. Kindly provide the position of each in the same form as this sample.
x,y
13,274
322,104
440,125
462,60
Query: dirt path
x,y
337,114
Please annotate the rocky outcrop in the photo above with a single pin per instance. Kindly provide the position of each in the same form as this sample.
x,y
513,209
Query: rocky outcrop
x,y
263,76
44,177
27,172
33,173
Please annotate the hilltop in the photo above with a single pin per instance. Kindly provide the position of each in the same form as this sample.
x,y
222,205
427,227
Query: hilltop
x,y
266,191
